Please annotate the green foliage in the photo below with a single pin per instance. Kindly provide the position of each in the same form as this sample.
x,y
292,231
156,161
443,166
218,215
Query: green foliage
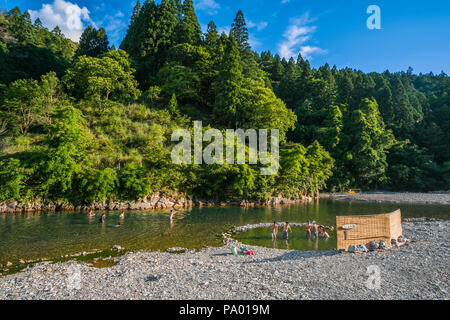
x,y
188,30
109,77
304,170
12,180
133,181
96,137
28,51
239,31
27,102
93,43
228,87
67,142
98,185
367,144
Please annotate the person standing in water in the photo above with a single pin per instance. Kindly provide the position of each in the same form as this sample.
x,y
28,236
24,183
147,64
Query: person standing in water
x,y
122,215
286,229
308,229
102,218
314,229
172,212
274,229
91,214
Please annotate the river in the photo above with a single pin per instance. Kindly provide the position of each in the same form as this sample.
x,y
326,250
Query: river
x,y
51,235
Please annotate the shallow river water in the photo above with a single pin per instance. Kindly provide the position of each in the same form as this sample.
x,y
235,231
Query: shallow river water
x,y
50,235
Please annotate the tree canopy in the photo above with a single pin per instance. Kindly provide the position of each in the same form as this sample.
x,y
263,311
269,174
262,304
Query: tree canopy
x,y
86,122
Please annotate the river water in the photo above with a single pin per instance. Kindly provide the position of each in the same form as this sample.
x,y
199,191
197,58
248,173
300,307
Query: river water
x,y
51,235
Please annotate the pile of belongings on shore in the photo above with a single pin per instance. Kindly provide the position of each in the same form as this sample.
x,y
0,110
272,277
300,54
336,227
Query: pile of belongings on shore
x,y
241,251
395,243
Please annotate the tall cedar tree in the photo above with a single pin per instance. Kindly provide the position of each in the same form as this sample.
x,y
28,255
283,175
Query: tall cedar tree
x,y
240,32
188,30
228,86
93,43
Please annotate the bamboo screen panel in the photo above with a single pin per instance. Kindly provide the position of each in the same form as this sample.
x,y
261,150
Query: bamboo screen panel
x,y
368,228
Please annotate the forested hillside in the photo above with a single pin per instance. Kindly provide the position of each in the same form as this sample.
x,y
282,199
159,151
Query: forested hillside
x,y
86,122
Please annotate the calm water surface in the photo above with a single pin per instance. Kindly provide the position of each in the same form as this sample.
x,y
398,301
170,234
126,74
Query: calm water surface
x,y
50,235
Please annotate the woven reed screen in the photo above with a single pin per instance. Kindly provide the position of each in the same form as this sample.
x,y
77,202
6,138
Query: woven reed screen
x,y
368,228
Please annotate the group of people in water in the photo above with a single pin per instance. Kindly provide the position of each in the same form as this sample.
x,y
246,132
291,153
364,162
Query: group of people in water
x,y
122,217
313,230
102,219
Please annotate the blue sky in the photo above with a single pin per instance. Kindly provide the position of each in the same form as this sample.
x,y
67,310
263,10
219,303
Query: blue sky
x,y
413,33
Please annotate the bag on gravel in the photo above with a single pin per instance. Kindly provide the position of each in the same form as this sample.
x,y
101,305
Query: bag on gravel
x,y
243,251
362,248
383,245
374,245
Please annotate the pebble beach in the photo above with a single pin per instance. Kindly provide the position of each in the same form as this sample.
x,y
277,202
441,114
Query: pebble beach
x,y
436,198
419,270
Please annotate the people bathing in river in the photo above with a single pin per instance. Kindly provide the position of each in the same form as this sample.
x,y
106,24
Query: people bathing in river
x,y
322,233
115,225
172,212
314,229
286,229
102,218
317,231
274,230
308,229
91,214
122,215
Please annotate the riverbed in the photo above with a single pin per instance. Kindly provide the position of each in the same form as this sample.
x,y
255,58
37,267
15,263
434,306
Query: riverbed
x,y
419,270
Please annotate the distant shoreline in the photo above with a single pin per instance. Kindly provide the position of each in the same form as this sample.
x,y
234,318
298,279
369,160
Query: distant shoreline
x,y
156,201
161,202
438,197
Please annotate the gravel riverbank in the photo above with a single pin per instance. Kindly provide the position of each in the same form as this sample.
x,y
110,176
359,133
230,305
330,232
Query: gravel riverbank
x,y
417,271
392,197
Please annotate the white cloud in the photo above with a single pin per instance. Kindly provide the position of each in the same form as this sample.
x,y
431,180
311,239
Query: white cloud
x,y
69,17
209,6
253,41
295,37
259,25
223,29
308,51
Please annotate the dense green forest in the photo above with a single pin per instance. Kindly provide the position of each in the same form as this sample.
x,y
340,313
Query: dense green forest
x,y
88,122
